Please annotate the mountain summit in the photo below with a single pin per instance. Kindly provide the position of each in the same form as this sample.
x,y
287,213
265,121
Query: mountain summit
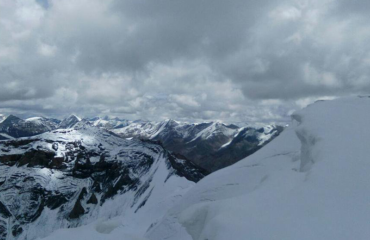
x,y
69,121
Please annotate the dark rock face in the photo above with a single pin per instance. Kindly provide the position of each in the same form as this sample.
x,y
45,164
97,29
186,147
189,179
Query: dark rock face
x,y
32,158
75,177
92,199
245,143
209,154
78,210
185,168
10,160
4,212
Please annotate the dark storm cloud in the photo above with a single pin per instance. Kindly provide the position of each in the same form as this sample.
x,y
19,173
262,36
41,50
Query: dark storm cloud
x,y
229,60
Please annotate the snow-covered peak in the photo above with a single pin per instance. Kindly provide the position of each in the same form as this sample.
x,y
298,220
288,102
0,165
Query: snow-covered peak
x,y
214,129
69,121
75,116
12,118
50,123
172,121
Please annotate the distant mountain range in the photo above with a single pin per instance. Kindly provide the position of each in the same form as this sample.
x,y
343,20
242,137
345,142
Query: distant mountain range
x,y
209,145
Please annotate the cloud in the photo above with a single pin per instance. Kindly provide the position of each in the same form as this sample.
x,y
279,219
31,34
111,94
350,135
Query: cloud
x,y
189,60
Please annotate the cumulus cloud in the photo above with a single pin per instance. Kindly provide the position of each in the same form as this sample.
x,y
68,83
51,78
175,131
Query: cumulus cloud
x,y
237,61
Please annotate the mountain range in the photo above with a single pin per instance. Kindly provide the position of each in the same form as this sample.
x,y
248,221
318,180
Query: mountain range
x,y
58,174
88,182
311,182
210,145
70,177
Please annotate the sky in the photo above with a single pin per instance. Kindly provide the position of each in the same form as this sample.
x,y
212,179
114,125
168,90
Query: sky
x,y
193,60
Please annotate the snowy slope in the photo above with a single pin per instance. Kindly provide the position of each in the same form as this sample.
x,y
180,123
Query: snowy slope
x,y
311,182
72,177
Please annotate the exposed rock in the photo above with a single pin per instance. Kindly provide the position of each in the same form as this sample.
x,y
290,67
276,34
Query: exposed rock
x,y
36,158
4,212
16,230
92,199
55,146
78,210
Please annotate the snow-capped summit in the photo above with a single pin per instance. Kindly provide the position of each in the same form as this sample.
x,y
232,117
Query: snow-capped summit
x,y
311,182
69,121
50,123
